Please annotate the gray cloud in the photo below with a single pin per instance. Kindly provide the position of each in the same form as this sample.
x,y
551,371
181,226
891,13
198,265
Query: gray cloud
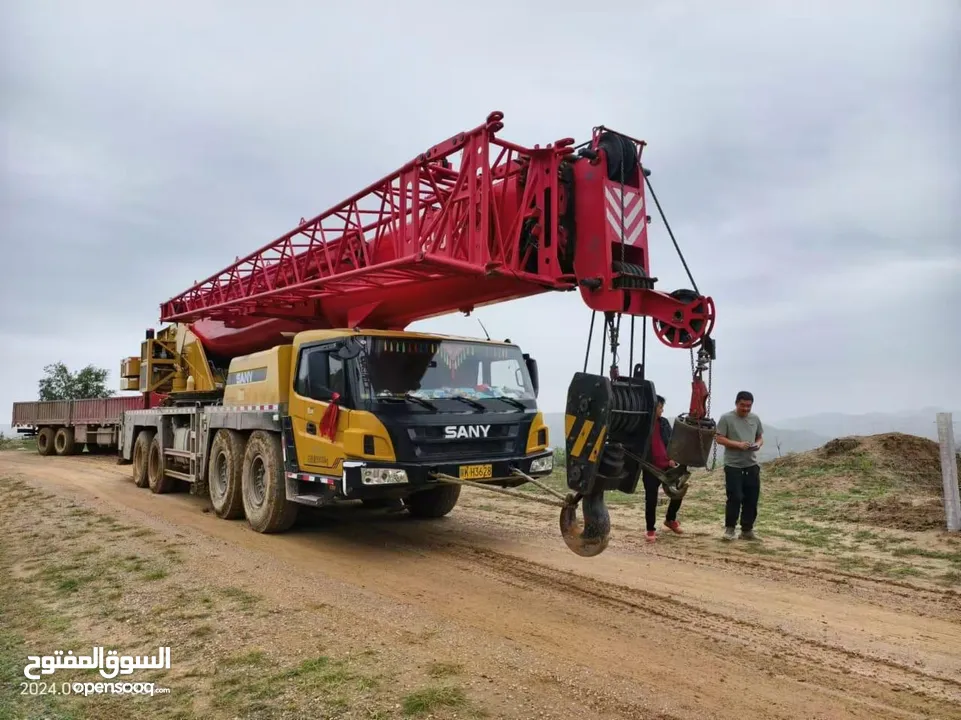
x,y
806,162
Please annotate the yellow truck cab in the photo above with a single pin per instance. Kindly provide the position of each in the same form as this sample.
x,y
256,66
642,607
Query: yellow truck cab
x,y
335,415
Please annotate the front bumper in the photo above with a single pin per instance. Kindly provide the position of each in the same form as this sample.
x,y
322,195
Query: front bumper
x,y
367,479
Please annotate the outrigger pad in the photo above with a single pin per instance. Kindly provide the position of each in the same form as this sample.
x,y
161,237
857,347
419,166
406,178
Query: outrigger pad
x,y
585,427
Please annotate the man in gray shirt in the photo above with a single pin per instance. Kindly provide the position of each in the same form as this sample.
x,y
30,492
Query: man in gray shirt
x,y
741,434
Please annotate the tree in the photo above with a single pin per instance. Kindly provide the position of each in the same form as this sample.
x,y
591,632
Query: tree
x,y
59,383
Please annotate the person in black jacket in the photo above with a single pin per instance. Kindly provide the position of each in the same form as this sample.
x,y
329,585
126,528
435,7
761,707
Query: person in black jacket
x,y
657,456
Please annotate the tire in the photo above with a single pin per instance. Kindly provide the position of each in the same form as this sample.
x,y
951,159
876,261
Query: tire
x,y
433,503
141,453
225,473
158,482
63,442
45,441
264,485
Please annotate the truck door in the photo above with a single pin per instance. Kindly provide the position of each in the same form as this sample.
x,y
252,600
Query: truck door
x,y
319,373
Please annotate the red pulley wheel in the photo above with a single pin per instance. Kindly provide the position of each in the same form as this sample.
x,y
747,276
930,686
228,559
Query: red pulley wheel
x,y
690,325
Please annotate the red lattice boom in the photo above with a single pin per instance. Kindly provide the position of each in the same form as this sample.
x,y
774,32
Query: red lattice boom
x,y
472,221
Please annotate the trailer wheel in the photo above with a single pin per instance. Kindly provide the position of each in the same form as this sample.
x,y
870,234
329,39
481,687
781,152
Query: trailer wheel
x,y
141,455
225,473
159,483
264,486
433,503
63,442
45,441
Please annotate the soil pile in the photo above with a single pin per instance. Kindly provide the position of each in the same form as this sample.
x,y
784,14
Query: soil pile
x,y
890,480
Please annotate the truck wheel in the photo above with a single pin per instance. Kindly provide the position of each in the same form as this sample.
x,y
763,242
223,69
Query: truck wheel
x,y
264,486
225,473
45,441
433,503
159,483
141,454
63,442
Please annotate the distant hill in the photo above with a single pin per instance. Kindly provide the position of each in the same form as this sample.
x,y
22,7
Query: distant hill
x,y
810,432
921,423
790,440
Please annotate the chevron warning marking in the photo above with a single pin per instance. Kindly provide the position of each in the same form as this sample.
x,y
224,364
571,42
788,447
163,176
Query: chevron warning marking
x,y
634,216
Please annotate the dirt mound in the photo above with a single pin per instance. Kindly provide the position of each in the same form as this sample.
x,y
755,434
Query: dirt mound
x,y
913,460
898,513
889,480
916,459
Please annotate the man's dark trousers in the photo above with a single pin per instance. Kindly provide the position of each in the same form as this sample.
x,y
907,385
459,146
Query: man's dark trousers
x,y
743,492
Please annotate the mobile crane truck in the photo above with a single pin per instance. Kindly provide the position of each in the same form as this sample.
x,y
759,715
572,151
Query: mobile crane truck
x,y
288,379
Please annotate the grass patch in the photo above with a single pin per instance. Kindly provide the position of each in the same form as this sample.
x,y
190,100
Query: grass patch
x,y
444,669
431,699
243,685
71,595
244,599
855,505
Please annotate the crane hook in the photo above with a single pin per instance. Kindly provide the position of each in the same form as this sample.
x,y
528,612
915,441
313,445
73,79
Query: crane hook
x,y
587,537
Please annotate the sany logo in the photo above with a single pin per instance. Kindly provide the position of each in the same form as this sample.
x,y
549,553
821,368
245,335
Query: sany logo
x,y
453,432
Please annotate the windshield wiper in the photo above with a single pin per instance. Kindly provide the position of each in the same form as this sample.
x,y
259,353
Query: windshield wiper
x,y
470,401
410,398
512,401
420,401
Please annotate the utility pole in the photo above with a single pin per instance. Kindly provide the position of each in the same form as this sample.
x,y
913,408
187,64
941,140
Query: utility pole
x,y
949,472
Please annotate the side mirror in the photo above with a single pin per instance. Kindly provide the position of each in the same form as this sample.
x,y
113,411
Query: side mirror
x,y
349,349
532,371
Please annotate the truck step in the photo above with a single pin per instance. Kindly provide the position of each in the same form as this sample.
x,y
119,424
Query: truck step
x,y
185,454
314,500
179,475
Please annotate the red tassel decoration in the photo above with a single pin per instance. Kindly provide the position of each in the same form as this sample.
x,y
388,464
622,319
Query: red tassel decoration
x,y
328,423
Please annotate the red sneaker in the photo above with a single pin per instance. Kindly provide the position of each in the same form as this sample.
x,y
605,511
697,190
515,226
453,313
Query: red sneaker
x,y
651,535
674,526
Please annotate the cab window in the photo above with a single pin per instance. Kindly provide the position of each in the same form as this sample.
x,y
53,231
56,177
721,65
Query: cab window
x,y
319,374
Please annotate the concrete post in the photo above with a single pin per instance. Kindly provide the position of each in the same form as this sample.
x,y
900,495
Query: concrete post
x,y
949,472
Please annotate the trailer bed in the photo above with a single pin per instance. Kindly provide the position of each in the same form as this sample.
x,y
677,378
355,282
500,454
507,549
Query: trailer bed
x,y
65,426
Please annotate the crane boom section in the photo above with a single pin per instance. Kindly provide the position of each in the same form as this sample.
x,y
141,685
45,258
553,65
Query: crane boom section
x,y
474,220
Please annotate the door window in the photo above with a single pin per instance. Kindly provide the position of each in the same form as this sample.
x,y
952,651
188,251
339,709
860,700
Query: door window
x,y
319,374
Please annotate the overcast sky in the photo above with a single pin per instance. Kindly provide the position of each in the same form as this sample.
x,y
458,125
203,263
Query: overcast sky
x,y
807,155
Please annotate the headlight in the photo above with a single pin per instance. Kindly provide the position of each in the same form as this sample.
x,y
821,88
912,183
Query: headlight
x,y
543,464
382,476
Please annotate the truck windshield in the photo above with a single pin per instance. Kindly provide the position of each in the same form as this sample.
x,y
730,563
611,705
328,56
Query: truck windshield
x,y
439,369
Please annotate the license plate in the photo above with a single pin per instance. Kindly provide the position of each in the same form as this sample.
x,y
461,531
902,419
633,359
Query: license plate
x,y
476,472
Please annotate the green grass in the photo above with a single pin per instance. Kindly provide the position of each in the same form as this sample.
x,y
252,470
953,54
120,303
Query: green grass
x,y
17,443
244,599
68,595
444,669
809,510
246,684
432,699
15,612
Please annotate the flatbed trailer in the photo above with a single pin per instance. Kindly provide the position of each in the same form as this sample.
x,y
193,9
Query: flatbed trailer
x,y
64,427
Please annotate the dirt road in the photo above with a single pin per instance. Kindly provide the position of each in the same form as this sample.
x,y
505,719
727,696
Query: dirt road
x,y
492,606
